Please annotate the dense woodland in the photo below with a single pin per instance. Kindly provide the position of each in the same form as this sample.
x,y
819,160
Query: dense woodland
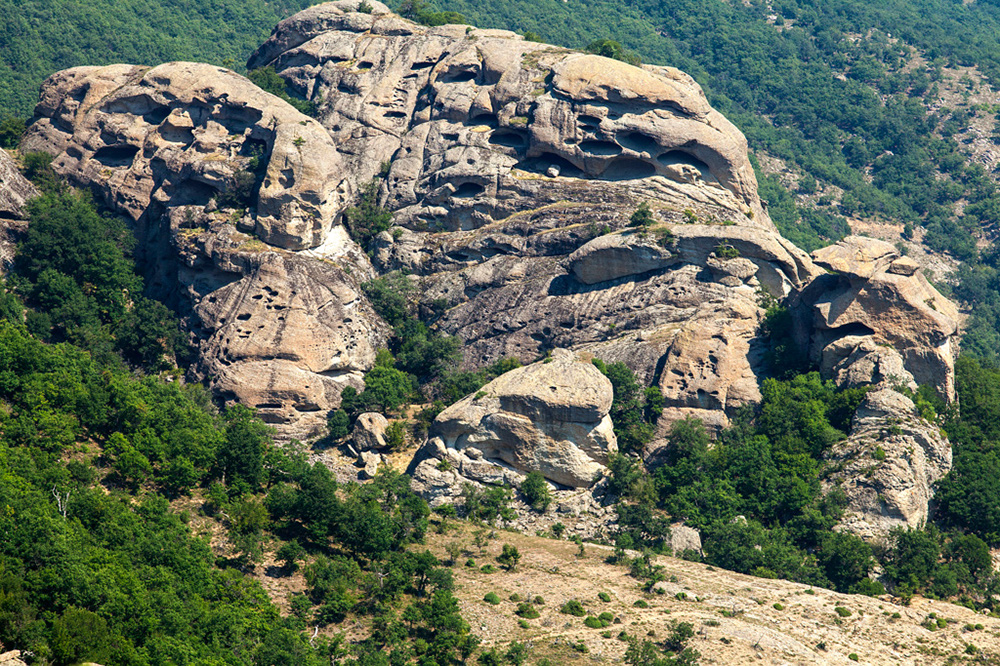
x,y
101,440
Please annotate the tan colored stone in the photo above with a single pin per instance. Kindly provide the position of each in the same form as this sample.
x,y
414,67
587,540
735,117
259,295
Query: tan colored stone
x,y
547,417
177,134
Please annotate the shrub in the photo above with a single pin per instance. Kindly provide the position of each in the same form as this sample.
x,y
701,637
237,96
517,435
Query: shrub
x,y
842,612
724,251
573,607
509,557
536,491
395,435
604,596
640,603
853,656
526,610
491,598
642,217
593,622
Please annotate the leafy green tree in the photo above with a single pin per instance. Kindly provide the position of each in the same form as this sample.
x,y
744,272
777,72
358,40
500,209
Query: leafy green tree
x,y
11,131
338,424
368,219
241,458
536,491
80,635
609,48
509,557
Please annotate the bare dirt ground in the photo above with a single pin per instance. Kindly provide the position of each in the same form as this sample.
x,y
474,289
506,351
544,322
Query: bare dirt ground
x,y
738,619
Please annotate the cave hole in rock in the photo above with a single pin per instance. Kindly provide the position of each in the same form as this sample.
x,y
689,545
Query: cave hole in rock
x,y
116,156
597,147
450,136
365,65
487,119
545,161
468,190
193,192
394,114
268,405
627,168
509,139
673,157
423,65
459,76
345,87
589,122
243,317
182,135
157,115
639,142
254,148
854,329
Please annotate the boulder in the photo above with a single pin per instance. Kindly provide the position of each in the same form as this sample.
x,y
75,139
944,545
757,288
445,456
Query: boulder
x,y
549,417
895,307
684,538
617,255
369,432
369,461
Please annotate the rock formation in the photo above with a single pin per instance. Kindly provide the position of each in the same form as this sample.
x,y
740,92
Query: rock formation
x,y
875,293
893,456
550,417
511,170
15,191
277,330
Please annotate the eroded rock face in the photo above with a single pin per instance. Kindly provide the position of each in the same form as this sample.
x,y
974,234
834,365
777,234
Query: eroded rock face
x,y
472,119
550,417
891,460
876,292
178,134
278,331
15,191
511,169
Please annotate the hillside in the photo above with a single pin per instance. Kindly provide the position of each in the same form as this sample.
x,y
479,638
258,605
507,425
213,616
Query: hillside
x,y
291,352
40,37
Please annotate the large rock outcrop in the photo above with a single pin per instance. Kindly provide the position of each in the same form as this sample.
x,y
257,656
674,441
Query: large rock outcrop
x,y
15,191
277,330
874,292
511,170
550,417
888,465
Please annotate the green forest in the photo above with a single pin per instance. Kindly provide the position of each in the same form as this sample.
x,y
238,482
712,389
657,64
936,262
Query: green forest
x,y
40,37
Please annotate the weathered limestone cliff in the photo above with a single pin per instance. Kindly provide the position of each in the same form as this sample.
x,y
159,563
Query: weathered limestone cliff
x,y
511,169
15,191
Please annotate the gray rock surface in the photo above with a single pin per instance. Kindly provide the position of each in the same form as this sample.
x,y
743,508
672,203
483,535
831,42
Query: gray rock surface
x,y
888,466
369,432
15,191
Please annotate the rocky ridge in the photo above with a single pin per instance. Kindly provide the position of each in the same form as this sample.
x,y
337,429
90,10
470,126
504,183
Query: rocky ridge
x,y
511,169
15,191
